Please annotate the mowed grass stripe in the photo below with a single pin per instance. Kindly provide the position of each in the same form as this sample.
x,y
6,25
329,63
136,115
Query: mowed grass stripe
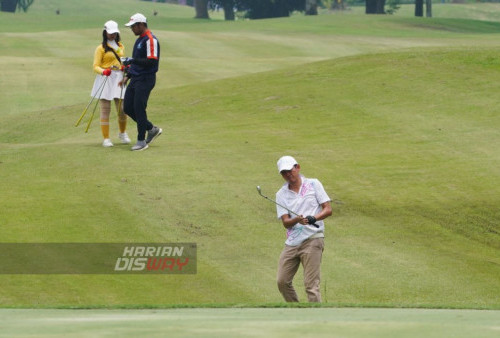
x,y
66,73
326,322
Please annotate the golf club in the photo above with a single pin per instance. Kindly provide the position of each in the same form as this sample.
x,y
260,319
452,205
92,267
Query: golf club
x,y
85,110
120,101
290,211
96,103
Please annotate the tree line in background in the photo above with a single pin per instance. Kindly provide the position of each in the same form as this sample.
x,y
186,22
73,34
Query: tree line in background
x,y
261,9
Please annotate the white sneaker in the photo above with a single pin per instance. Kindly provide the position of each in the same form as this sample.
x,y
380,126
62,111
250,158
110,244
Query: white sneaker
x,y
107,143
124,138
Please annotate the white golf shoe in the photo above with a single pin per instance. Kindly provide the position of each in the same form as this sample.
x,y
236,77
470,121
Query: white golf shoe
x,y
107,143
124,138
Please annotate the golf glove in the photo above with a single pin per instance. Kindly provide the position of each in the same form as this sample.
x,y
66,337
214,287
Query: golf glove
x,y
311,219
106,72
127,61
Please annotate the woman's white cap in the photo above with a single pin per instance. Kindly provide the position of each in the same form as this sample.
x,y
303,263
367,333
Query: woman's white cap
x,y
111,27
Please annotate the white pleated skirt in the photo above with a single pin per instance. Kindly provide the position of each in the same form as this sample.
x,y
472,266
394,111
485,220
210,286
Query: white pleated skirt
x,y
111,89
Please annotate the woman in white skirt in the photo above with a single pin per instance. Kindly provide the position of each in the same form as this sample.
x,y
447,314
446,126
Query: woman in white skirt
x,y
108,65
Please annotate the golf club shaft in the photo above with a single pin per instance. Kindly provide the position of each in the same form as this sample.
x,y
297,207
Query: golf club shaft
x,y
120,100
119,106
290,211
88,105
84,112
92,116
96,103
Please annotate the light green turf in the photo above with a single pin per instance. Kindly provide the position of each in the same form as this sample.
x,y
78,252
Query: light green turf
x,y
398,117
251,323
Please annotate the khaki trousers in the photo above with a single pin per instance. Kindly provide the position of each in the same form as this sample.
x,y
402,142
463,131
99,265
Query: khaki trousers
x,y
308,253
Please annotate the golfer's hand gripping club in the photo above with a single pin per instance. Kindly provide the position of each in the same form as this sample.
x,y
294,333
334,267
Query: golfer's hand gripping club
x,y
310,219
126,61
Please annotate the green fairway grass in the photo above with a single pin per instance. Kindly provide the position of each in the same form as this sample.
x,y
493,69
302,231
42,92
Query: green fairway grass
x,y
251,323
397,116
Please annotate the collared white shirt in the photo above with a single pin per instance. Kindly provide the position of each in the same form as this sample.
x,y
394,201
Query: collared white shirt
x,y
306,202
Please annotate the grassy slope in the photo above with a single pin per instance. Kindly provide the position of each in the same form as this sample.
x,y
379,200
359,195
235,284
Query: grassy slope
x,y
404,143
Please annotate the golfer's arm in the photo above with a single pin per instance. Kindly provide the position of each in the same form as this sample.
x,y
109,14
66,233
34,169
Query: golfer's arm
x,y
289,222
145,62
98,55
326,211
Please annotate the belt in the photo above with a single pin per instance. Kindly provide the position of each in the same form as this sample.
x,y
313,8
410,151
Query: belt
x,y
317,235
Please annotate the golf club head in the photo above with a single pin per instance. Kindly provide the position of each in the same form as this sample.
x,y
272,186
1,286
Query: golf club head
x,y
258,189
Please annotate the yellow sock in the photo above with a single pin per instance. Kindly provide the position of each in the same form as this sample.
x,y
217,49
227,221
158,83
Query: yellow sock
x,y
105,109
105,128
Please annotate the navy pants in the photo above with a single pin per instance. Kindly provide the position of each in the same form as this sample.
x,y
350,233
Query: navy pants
x,y
136,101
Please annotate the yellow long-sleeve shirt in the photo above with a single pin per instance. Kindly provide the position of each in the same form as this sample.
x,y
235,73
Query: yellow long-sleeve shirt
x,y
104,60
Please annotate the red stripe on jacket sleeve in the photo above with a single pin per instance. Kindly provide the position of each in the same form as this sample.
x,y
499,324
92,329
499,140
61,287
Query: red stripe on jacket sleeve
x,y
153,50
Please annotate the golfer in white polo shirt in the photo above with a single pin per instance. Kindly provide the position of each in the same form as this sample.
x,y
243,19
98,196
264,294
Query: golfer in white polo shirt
x,y
305,233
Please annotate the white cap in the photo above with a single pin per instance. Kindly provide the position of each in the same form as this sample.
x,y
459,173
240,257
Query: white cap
x,y
136,18
111,27
286,163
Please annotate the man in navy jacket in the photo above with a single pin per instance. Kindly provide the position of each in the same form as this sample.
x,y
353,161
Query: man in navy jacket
x,y
141,71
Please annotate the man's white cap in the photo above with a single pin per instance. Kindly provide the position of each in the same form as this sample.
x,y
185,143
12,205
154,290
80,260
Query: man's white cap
x,y
136,18
111,27
286,163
